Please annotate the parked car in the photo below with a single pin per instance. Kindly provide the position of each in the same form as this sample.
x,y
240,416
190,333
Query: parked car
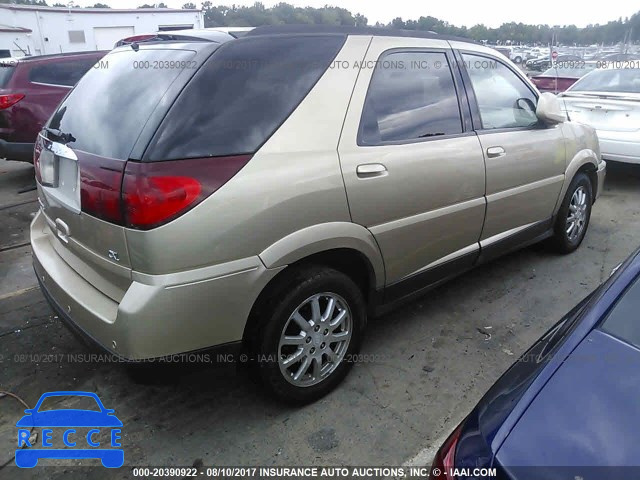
x,y
543,63
260,197
559,78
577,382
30,90
609,101
620,57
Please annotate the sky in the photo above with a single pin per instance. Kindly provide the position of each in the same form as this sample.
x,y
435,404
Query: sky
x,y
492,13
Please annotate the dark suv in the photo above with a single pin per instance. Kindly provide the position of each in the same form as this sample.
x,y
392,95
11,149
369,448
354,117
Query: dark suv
x,y
30,90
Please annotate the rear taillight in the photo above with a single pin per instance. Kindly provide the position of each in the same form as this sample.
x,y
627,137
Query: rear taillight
x,y
444,461
11,99
154,193
100,183
145,195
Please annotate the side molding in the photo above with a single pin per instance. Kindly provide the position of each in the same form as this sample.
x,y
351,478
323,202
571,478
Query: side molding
x,y
323,237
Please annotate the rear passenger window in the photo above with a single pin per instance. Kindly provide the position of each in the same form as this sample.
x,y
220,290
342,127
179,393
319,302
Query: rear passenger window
x,y
503,98
411,97
61,73
242,95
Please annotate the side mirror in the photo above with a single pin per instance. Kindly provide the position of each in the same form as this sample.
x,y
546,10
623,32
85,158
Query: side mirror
x,y
549,110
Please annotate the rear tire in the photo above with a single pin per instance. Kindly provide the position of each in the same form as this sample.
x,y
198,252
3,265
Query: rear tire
x,y
314,324
573,216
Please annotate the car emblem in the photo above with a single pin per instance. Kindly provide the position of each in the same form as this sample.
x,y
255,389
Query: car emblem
x,y
113,255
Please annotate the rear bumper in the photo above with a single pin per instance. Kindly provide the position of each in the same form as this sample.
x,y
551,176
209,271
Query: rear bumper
x,y
157,317
618,149
16,151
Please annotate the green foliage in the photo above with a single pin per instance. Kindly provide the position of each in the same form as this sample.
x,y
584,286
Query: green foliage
x,y
40,3
284,13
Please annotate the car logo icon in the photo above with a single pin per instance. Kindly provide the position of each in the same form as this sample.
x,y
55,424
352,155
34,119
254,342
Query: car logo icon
x,y
65,419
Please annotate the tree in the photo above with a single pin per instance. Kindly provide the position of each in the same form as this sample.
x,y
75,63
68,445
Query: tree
x,y
189,6
100,5
40,3
220,15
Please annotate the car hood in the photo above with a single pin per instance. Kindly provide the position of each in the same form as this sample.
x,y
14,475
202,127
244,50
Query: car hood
x,y
69,418
586,415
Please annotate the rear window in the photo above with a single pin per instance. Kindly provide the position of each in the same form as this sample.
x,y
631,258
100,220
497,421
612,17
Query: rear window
x,y
615,81
623,321
7,68
66,73
241,95
108,109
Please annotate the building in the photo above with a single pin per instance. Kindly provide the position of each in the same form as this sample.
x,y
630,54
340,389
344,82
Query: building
x,y
35,30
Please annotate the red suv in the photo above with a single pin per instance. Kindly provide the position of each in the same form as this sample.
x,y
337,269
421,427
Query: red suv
x,y
30,90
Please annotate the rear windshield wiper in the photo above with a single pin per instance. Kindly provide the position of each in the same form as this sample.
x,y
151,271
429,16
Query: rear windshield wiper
x,y
64,137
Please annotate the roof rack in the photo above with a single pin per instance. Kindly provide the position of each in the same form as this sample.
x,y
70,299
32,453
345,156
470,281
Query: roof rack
x,y
349,30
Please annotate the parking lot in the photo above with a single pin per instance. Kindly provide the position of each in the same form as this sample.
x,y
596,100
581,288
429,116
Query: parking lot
x,y
423,366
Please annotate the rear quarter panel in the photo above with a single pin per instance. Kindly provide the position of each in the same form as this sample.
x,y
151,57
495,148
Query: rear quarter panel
x,y
293,182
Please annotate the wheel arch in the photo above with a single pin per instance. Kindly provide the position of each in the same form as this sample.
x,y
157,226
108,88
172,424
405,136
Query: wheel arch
x,y
584,161
346,247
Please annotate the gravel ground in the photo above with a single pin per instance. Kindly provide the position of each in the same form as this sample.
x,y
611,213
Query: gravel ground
x,y
427,363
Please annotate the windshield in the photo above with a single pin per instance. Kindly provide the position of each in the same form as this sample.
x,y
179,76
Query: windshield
x,y
623,320
574,71
615,81
124,91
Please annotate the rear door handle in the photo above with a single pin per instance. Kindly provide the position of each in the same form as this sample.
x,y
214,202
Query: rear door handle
x,y
369,170
495,152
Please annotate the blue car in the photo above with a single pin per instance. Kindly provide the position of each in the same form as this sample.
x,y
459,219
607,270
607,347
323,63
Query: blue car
x,y
570,406
65,419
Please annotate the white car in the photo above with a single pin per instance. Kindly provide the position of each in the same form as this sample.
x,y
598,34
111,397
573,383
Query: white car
x,y
609,100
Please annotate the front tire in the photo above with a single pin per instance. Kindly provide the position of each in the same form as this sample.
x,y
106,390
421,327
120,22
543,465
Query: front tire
x,y
313,328
574,215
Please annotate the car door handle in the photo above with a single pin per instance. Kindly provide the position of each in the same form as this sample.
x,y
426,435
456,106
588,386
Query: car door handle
x,y
369,170
495,152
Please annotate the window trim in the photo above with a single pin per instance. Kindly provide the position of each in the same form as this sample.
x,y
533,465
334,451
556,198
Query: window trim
x,y
473,101
465,114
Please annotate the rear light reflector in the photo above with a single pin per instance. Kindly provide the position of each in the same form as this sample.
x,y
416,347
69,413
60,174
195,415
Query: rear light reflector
x,y
11,99
154,193
444,461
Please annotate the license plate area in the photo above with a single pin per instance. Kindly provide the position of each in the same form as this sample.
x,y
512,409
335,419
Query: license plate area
x,y
59,175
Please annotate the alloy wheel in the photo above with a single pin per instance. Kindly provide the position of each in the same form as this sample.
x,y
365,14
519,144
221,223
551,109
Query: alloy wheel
x,y
315,339
577,216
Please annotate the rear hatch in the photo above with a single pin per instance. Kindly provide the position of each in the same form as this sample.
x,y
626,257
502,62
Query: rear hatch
x,y
604,111
81,154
